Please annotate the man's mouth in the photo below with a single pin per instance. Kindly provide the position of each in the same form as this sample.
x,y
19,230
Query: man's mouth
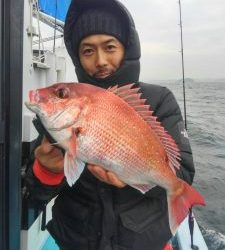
x,y
102,74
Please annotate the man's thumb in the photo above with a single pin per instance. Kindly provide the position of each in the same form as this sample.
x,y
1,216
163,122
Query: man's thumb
x,y
46,146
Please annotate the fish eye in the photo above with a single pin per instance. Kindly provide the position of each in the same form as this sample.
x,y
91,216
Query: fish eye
x,y
62,93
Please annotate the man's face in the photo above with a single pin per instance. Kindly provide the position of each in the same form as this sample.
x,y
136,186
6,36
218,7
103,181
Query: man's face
x,y
101,55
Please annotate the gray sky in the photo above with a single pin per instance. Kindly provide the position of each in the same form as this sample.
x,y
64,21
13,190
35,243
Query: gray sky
x,y
203,34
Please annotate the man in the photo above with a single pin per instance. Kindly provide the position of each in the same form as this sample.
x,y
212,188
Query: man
x,y
100,212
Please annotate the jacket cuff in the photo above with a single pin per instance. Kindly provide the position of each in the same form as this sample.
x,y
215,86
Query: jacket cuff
x,y
45,176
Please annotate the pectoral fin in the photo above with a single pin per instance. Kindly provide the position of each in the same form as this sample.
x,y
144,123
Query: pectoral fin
x,y
73,167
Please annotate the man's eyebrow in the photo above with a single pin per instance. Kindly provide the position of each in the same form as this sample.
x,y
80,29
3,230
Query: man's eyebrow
x,y
92,45
86,44
110,40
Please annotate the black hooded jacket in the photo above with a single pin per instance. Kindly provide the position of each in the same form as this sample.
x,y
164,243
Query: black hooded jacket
x,y
93,215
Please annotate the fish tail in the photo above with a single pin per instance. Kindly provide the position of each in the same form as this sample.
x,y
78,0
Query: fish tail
x,y
180,202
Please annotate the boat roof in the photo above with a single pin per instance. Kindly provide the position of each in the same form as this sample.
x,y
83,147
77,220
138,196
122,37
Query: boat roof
x,y
57,8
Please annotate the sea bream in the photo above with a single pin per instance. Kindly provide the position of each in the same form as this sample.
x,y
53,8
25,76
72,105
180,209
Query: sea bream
x,y
115,129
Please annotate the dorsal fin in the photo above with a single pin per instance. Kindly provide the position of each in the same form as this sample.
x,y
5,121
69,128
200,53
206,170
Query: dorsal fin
x,y
132,96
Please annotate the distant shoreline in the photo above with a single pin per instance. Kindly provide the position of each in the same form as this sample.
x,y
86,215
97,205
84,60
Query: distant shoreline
x,y
187,80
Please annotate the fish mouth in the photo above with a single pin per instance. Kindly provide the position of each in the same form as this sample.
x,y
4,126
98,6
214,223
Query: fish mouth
x,y
34,107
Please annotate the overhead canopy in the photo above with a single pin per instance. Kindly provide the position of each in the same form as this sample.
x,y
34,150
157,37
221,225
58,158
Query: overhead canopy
x,y
55,8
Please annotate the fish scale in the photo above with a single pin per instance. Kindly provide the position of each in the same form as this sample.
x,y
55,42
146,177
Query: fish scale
x,y
113,155
124,153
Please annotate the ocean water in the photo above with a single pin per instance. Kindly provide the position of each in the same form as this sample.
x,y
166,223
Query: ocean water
x,y
205,104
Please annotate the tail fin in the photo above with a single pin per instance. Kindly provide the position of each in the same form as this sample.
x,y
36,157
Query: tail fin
x,y
179,205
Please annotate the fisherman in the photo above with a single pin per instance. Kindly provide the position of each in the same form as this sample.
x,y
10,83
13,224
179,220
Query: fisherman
x,y
100,212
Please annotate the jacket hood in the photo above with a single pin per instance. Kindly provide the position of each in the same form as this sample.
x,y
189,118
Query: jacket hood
x,y
130,68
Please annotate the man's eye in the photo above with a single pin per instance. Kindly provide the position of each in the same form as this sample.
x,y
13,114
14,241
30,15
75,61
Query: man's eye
x,y
87,52
111,47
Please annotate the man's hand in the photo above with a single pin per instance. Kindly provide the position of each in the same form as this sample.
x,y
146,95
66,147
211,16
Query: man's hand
x,y
52,159
105,176
49,156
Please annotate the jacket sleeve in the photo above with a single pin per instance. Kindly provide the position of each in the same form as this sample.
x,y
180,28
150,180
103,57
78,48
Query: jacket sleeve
x,y
172,120
38,192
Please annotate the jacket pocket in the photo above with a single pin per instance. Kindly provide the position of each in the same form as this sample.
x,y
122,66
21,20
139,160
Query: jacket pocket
x,y
144,215
145,226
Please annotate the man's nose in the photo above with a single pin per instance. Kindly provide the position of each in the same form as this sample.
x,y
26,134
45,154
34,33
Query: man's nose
x,y
101,59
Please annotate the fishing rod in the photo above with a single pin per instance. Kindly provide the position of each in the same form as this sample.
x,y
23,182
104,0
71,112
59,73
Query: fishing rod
x,y
190,217
182,58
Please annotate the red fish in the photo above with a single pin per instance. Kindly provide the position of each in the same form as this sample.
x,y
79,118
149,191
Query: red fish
x,y
115,129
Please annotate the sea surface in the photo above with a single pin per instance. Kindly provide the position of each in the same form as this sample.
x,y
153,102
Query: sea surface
x,y
205,107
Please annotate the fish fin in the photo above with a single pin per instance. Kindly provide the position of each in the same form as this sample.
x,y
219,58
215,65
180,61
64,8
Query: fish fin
x,y
143,188
117,90
179,204
112,88
132,96
73,167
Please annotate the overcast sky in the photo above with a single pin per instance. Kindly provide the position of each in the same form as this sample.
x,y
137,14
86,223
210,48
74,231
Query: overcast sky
x,y
203,34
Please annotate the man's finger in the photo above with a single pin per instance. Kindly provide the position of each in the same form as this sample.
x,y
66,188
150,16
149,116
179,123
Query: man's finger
x,y
114,180
46,147
98,172
106,176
